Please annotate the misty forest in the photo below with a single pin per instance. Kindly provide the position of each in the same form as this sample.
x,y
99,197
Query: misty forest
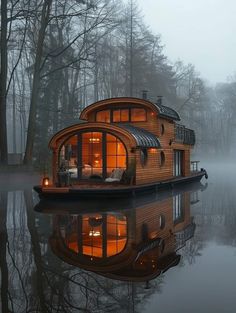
x,y
57,57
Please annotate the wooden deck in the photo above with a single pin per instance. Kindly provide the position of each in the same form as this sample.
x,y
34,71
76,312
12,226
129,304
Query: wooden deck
x,y
94,189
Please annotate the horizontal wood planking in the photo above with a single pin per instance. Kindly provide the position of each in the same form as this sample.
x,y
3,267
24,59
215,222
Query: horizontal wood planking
x,y
150,215
153,170
155,124
55,190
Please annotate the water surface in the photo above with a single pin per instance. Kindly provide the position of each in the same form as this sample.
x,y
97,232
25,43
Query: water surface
x,y
173,251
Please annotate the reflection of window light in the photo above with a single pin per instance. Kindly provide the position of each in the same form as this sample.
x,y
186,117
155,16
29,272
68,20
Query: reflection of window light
x,y
94,233
94,140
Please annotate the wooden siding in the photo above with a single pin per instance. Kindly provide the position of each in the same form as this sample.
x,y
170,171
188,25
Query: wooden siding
x,y
149,215
153,170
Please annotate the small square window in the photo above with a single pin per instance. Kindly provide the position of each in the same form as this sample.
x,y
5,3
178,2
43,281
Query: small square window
x,y
138,115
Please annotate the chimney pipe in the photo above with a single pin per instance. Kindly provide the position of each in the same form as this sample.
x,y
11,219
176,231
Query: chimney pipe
x,y
145,92
159,99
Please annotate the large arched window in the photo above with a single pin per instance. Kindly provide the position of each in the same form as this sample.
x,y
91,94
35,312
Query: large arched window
x,y
93,154
94,235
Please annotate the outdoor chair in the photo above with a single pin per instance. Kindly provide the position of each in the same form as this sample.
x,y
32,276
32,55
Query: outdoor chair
x,y
116,175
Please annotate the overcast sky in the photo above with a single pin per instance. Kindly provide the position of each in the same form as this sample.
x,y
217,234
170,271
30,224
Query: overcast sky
x,y
201,32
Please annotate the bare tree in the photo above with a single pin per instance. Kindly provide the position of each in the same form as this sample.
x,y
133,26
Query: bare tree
x,y
3,84
3,252
36,80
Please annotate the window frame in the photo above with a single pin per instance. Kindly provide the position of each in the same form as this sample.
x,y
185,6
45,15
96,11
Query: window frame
x,y
104,133
143,154
129,108
162,158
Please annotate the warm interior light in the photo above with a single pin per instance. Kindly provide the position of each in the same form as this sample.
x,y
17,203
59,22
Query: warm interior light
x,y
45,181
94,140
94,233
152,150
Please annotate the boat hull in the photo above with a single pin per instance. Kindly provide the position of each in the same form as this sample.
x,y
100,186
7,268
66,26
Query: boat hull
x,y
114,191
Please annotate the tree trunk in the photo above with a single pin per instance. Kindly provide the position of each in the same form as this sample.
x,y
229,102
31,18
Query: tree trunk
x,y
14,116
3,84
3,252
36,83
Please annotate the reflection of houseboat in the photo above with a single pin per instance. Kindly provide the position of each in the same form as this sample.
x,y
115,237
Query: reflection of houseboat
x,y
124,145
136,244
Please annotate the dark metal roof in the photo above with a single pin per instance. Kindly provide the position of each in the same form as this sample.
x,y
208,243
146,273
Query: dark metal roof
x,y
144,138
167,111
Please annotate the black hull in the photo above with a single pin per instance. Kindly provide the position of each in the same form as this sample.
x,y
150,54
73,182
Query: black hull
x,y
116,192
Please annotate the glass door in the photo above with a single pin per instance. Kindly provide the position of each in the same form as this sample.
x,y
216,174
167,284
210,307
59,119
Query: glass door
x,y
92,155
178,161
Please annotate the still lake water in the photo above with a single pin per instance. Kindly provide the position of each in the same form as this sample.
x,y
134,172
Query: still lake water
x,y
173,251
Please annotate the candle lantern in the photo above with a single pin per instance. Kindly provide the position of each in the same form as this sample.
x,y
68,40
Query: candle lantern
x,y
46,181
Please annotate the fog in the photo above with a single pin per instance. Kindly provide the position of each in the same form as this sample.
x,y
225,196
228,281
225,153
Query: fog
x,y
181,50
198,32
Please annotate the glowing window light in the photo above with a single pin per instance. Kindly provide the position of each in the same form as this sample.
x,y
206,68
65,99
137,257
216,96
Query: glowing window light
x,y
94,233
152,150
94,140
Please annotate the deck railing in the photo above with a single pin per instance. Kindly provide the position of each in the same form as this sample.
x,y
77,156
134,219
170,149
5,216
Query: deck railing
x,y
184,235
184,135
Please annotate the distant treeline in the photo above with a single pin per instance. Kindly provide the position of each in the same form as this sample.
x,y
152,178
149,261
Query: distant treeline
x,y
59,56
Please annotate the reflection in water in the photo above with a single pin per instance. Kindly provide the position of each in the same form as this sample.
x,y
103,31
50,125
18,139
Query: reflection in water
x,y
134,243
137,244
97,235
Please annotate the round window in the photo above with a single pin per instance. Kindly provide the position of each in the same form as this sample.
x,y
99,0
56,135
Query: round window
x,y
162,158
143,157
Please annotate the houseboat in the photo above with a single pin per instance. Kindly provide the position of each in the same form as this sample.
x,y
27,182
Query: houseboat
x,y
136,244
121,146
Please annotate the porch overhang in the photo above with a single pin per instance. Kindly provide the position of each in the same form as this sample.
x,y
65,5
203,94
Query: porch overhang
x,y
138,137
143,138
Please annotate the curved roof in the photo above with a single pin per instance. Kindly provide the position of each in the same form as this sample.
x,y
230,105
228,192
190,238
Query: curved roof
x,y
167,112
138,136
143,138
162,110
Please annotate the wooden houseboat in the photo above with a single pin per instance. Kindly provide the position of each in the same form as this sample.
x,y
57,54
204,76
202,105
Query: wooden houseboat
x,y
119,146
136,244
